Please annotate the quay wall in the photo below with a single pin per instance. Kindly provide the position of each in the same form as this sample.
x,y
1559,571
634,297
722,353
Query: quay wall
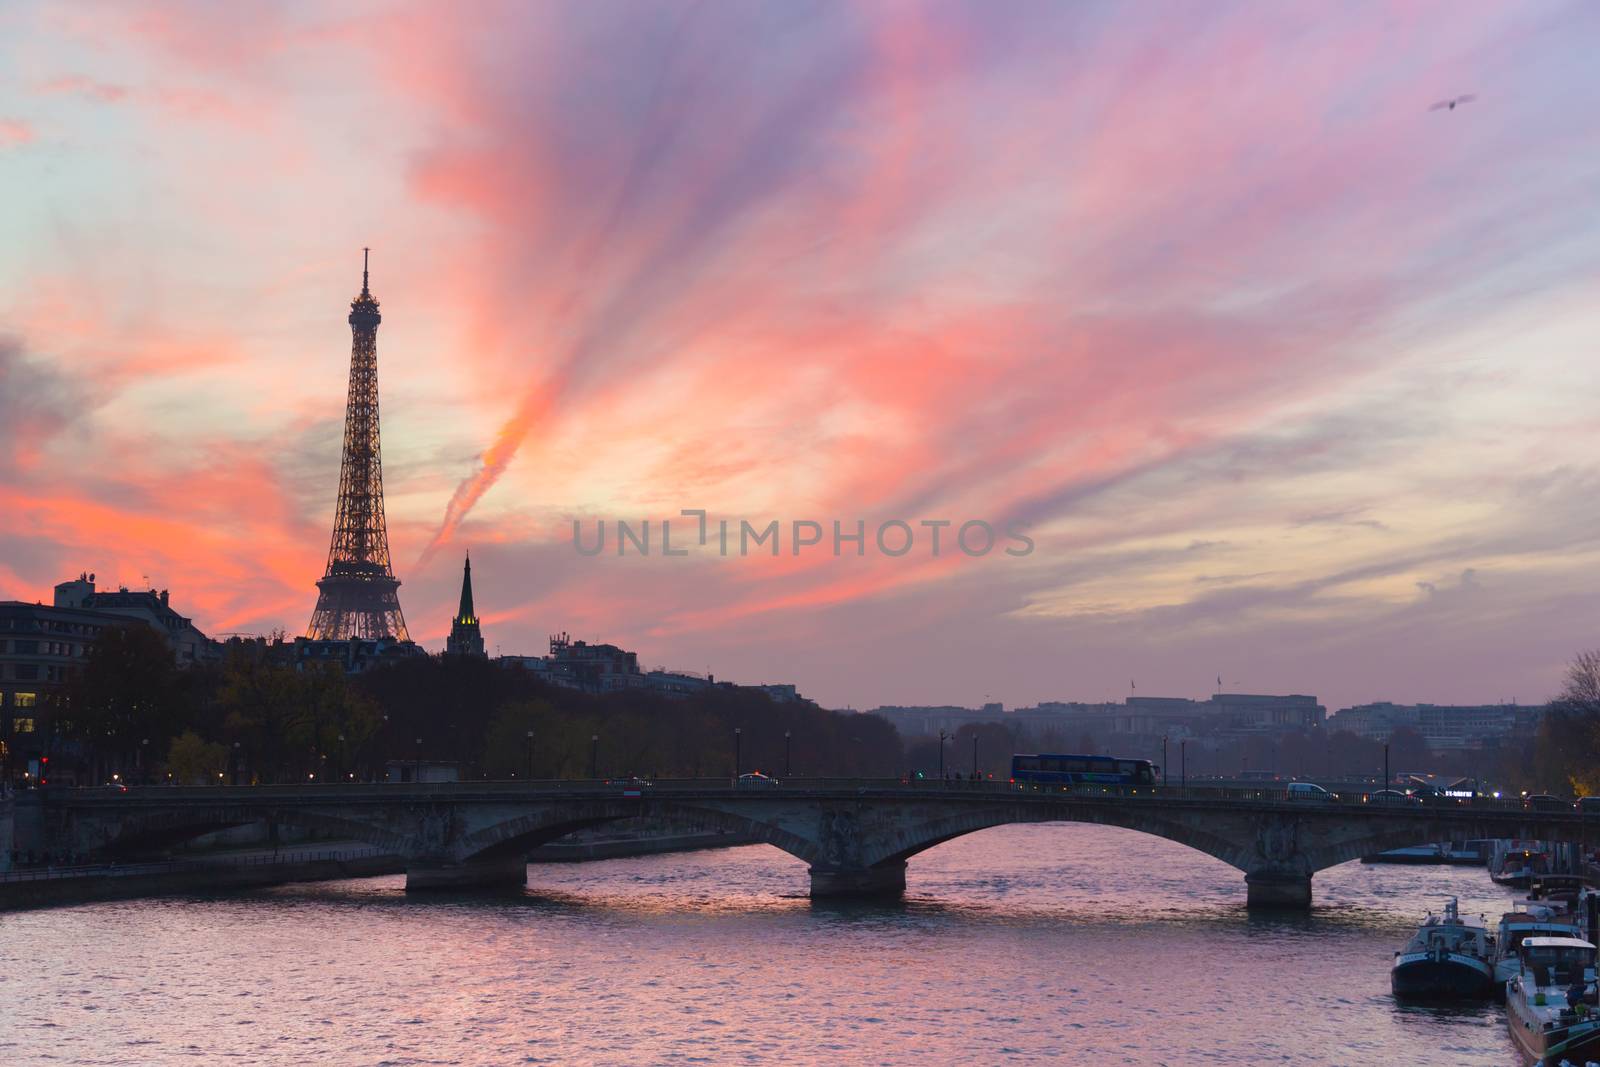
x,y
39,888
8,830
186,878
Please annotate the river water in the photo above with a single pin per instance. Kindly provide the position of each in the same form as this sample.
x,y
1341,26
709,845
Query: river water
x,y
1067,944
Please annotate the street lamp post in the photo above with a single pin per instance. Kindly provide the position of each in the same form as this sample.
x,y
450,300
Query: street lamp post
x,y
738,751
974,755
787,753
942,736
530,755
236,767
417,776
1183,764
594,755
342,769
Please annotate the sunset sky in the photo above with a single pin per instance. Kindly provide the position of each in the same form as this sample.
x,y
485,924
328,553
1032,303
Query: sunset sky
x,y
1290,379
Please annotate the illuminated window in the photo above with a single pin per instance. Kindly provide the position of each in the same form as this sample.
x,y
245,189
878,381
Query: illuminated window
x,y
25,700
22,726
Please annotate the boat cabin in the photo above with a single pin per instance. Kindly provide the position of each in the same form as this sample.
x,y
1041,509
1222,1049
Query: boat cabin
x,y
1450,934
1517,926
1557,962
1559,889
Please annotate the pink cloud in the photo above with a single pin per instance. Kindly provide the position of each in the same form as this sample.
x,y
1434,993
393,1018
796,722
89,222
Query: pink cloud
x,y
77,84
14,132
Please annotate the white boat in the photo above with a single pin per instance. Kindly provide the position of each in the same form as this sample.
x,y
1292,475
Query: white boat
x,y
1552,1008
1516,927
1447,959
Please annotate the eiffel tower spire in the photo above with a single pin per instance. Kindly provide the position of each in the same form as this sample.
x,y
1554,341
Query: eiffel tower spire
x,y
358,596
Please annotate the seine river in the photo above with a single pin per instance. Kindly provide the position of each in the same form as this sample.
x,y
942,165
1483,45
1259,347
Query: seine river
x,y
1027,944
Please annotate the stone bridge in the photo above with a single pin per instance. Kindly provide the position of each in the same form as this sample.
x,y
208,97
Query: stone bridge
x,y
855,836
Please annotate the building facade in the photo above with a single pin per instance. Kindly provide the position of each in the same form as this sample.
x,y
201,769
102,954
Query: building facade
x,y
353,655
604,668
151,607
43,647
1223,716
1445,727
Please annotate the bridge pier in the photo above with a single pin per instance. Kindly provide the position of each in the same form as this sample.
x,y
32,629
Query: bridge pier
x,y
884,880
1277,889
481,874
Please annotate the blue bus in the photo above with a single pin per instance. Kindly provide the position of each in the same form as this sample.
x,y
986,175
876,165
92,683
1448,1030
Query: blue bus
x,y
1051,769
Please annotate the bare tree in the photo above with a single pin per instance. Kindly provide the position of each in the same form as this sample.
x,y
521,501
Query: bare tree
x,y
1568,746
1583,681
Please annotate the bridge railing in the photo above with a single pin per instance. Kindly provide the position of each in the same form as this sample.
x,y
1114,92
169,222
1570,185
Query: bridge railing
x,y
1195,791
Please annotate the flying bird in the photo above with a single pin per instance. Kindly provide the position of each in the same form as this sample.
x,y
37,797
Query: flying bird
x,y
1450,105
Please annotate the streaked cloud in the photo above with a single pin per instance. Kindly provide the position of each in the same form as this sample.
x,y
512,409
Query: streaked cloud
x,y
1280,370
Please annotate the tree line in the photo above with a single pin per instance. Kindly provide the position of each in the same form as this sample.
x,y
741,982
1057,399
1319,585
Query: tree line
x,y
133,713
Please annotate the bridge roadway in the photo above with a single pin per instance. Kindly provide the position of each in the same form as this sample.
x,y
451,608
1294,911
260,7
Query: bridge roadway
x,y
855,835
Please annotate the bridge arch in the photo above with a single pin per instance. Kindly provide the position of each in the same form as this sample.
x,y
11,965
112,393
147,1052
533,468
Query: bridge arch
x,y
164,827
920,836
521,832
1381,840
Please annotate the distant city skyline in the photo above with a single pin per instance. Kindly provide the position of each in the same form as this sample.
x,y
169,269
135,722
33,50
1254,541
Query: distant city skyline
x,y
1289,379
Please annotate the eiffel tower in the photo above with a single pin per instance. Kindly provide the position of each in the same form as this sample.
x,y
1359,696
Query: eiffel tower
x,y
358,596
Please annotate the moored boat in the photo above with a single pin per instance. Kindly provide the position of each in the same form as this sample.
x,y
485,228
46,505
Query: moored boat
x,y
1518,866
1551,1006
1446,959
1515,928
1459,854
1558,891
1425,855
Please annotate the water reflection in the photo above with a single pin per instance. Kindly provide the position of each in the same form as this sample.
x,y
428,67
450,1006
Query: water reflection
x,y
1021,944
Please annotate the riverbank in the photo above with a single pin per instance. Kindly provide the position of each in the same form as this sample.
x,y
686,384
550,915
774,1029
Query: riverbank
x,y
219,871
47,887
